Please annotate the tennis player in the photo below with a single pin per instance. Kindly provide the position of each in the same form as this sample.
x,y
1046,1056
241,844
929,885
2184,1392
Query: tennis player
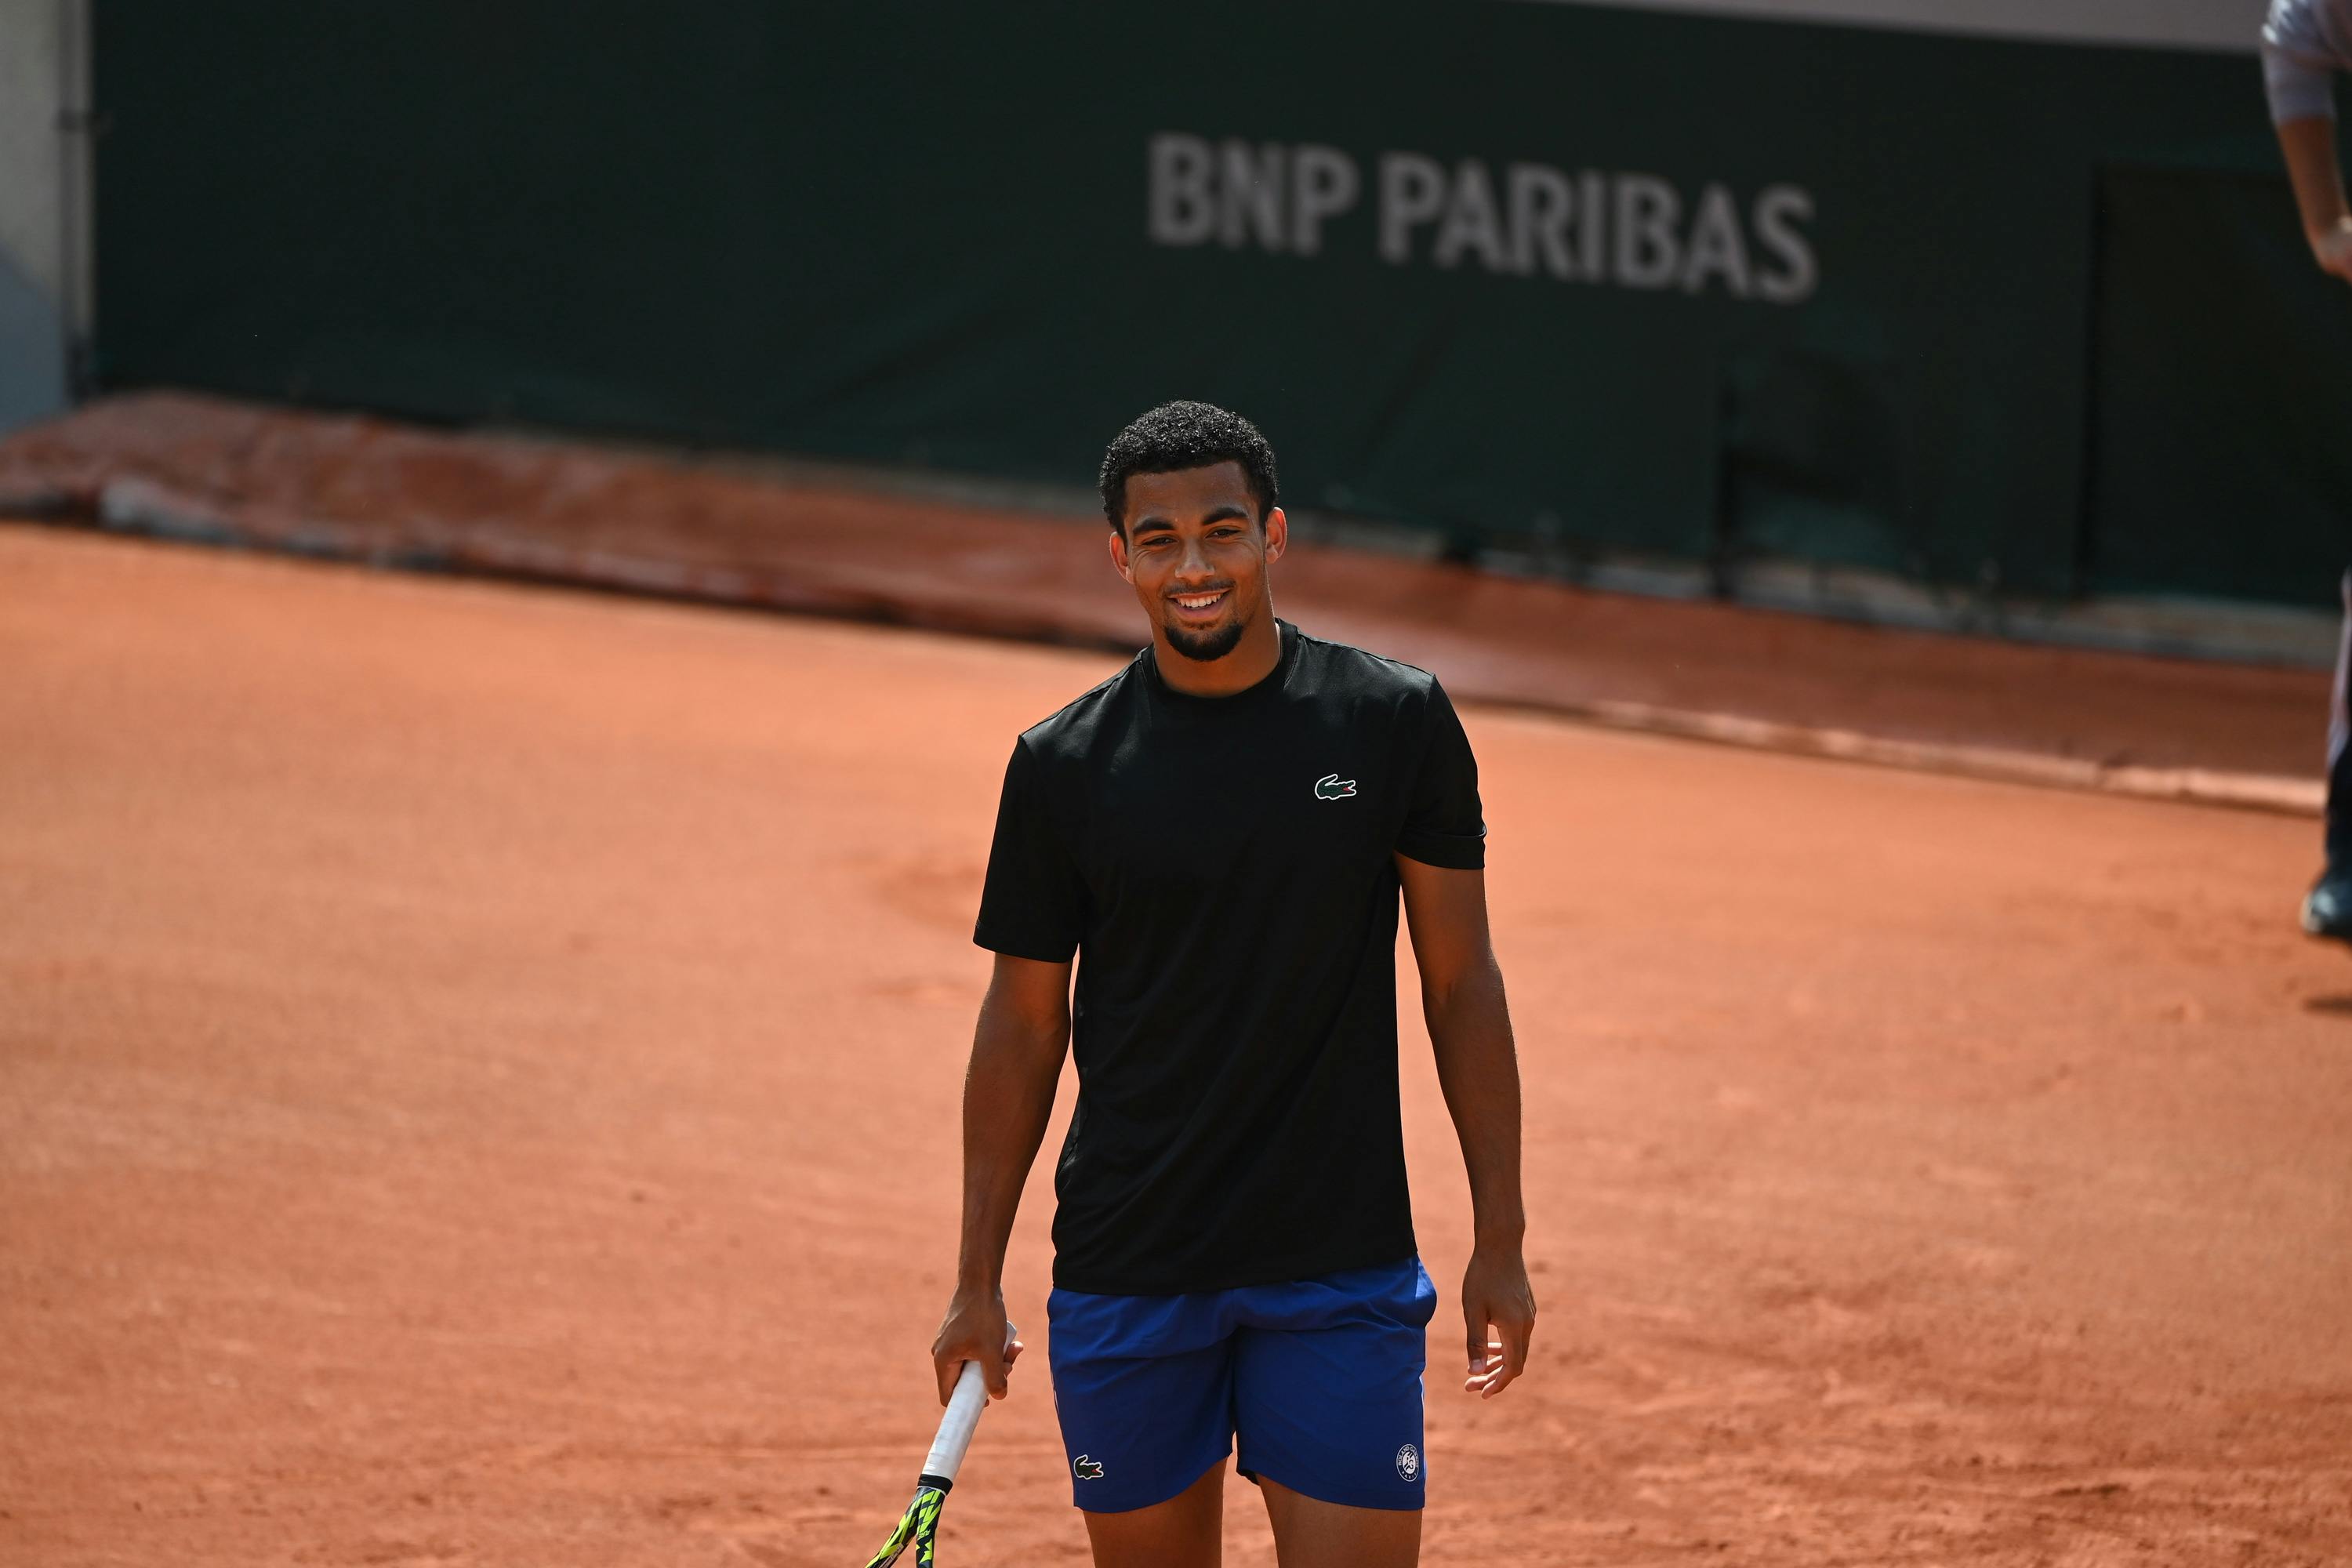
x,y
1219,834
2305,44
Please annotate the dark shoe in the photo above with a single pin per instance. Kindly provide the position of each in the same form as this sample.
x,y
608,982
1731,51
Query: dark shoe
x,y
2328,907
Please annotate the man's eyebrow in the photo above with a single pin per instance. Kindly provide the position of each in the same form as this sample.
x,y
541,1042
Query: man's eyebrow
x,y
1228,512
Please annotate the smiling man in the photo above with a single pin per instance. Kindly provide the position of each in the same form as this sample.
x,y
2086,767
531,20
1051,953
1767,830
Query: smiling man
x,y
1222,829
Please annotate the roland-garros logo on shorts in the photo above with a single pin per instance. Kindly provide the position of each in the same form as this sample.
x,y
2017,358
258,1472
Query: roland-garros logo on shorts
x,y
1409,1463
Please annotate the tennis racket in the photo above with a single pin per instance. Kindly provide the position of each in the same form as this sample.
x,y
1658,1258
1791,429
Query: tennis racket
x,y
919,1526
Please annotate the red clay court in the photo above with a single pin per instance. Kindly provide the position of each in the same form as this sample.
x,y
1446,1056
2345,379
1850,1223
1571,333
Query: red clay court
x,y
478,1068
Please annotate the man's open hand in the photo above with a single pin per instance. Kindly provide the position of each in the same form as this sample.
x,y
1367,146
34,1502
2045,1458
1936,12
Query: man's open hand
x,y
1496,1297
975,1330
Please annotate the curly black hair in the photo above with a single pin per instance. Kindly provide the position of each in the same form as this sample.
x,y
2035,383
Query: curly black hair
x,y
1185,435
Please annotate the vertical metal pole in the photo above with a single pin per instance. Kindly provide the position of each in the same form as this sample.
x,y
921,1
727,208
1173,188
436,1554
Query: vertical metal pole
x,y
77,163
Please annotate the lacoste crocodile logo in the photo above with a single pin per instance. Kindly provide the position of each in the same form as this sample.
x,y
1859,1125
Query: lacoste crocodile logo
x,y
1088,1469
1331,786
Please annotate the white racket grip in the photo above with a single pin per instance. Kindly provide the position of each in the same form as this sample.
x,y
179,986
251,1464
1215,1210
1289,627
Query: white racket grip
x,y
964,1406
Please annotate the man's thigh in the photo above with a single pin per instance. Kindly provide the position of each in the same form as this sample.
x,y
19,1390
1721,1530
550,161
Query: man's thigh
x,y
1328,1387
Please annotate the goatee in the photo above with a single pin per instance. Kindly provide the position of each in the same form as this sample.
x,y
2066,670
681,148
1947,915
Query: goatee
x,y
1204,646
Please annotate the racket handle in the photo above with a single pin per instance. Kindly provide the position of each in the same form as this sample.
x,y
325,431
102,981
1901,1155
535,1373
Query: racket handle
x,y
964,1406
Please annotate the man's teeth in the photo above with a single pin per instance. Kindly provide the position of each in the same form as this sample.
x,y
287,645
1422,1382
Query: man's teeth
x,y
1199,601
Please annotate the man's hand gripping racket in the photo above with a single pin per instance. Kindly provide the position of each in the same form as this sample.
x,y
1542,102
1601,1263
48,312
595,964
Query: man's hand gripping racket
x,y
919,1526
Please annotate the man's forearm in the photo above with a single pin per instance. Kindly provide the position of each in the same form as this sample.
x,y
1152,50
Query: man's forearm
x,y
2309,146
1008,1096
1478,1069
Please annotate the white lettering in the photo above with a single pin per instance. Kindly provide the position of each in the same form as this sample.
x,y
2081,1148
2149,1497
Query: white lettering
x,y
1636,230
1472,222
1777,211
1412,189
1253,195
1592,226
1181,210
1323,183
1717,246
1541,202
1648,210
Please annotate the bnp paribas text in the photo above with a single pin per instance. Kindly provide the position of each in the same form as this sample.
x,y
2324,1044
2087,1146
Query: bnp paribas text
x,y
1612,227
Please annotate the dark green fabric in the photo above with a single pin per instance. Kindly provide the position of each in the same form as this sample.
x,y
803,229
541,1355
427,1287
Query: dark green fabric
x,y
2222,458
917,234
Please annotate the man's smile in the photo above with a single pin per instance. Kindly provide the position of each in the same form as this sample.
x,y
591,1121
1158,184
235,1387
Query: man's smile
x,y
1200,603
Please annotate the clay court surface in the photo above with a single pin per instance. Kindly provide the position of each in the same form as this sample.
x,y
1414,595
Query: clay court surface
x,y
478,1071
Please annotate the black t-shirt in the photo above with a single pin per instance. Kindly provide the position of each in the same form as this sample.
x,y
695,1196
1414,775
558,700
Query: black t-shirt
x,y
1222,867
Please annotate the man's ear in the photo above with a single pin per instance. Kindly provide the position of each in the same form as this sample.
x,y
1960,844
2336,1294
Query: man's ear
x,y
1277,534
1118,555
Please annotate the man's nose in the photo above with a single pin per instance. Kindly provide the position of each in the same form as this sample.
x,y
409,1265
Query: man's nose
x,y
1194,563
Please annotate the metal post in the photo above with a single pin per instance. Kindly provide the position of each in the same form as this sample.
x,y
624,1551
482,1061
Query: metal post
x,y
77,163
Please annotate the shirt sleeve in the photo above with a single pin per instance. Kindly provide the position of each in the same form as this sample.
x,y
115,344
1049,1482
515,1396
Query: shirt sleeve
x,y
1033,904
2299,63
1444,826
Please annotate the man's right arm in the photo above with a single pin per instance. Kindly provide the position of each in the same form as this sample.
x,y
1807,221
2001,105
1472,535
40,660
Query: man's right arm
x,y
1017,1051
2309,144
2298,75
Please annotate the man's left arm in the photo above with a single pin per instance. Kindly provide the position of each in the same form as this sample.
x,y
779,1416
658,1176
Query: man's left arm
x,y
1477,1067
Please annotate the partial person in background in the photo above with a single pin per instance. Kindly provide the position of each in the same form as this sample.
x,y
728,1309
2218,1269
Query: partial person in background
x,y
2305,44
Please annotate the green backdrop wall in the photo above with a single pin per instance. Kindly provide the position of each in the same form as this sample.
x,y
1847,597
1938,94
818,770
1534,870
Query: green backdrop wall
x,y
1625,279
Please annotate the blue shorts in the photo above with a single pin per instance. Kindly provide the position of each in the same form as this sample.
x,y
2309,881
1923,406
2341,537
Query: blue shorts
x,y
1320,1379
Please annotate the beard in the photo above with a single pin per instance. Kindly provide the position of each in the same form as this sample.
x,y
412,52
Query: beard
x,y
1204,646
